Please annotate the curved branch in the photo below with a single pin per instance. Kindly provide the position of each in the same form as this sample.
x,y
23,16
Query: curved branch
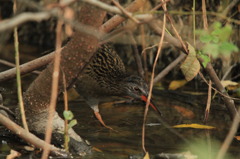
x,y
29,137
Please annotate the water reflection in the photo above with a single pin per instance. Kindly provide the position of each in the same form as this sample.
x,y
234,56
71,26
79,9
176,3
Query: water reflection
x,y
127,120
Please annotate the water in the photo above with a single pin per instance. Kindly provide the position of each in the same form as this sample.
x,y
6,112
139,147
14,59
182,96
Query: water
x,y
127,119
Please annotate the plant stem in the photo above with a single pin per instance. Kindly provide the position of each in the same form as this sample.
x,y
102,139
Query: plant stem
x,y
19,88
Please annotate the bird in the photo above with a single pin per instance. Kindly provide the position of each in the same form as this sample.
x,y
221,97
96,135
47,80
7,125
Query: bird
x,y
105,76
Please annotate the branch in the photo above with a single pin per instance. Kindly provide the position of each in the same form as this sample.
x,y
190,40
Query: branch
x,y
27,67
42,61
9,24
209,69
29,137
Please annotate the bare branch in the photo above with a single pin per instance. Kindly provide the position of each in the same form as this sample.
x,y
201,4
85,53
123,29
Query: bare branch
x,y
104,6
22,18
29,137
27,67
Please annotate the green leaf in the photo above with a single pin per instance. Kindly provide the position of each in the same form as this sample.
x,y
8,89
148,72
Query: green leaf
x,y
216,32
191,66
72,123
215,39
226,31
217,25
211,49
205,58
226,48
206,38
68,115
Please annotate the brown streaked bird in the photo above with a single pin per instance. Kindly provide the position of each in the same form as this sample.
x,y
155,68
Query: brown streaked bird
x,y
105,76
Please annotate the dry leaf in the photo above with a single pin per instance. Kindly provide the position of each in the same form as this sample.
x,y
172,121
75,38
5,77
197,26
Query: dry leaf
x,y
176,84
229,83
191,66
146,156
195,126
184,112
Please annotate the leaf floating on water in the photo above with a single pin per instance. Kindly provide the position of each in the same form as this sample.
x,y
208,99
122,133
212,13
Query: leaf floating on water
x,y
195,126
146,156
191,66
184,112
176,84
228,83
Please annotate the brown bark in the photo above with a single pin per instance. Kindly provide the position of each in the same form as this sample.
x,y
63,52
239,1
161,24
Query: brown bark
x,y
74,55
35,64
30,138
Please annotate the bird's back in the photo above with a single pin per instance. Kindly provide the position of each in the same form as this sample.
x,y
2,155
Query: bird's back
x,y
100,77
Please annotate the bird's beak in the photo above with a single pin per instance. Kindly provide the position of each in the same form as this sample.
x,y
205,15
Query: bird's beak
x,y
144,98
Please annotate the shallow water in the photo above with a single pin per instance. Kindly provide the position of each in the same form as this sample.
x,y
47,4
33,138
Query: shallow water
x,y
127,119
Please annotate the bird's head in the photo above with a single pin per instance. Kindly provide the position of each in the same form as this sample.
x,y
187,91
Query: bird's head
x,y
135,87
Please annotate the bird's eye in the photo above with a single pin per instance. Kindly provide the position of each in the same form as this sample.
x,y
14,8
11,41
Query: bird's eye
x,y
136,89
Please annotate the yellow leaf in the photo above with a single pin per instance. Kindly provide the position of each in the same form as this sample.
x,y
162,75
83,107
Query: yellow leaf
x,y
191,66
146,156
195,126
176,84
228,83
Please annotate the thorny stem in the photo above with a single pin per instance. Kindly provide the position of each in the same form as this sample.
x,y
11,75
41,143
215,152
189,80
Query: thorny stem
x,y
19,88
54,90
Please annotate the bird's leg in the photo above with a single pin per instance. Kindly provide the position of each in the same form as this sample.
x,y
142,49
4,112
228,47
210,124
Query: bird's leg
x,y
93,102
99,117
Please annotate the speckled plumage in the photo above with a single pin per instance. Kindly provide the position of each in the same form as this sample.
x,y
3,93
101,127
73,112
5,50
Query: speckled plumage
x,y
106,76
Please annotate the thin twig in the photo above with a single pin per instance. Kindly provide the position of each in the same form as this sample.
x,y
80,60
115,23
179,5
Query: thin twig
x,y
124,11
65,97
106,27
137,56
54,90
29,137
209,69
19,87
204,15
152,77
167,69
143,42
117,19
229,138
22,18
27,67
229,7
104,6
194,23
222,94
177,34
209,99
159,6
7,63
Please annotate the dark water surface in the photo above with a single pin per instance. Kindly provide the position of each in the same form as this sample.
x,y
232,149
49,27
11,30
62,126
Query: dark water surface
x,y
127,119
